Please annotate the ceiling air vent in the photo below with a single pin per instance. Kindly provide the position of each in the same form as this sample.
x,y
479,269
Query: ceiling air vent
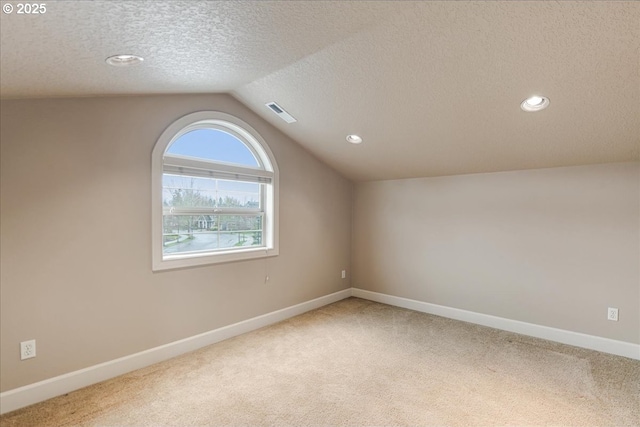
x,y
280,112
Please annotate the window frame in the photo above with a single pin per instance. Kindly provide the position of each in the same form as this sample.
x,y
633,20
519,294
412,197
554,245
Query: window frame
x,y
268,169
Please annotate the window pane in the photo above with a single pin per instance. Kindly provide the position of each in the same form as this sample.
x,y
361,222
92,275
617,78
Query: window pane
x,y
193,233
181,191
213,144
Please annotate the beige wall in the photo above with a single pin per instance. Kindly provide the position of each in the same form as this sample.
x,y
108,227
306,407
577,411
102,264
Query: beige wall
x,y
76,238
553,247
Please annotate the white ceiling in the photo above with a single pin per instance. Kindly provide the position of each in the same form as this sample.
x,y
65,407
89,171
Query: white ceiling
x,y
434,88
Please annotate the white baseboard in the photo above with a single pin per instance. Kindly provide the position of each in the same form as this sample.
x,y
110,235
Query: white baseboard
x,y
43,390
605,345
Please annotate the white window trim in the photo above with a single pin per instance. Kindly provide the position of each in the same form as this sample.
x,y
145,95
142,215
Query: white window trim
x,y
244,132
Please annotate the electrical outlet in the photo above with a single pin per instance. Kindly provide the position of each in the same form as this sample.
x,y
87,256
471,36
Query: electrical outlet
x,y
27,349
612,314
344,274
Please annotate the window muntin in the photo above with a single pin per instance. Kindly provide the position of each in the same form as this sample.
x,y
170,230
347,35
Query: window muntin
x,y
215,186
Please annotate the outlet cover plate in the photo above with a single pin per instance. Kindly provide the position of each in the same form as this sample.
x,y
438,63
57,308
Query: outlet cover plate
x,y
27,349
612,314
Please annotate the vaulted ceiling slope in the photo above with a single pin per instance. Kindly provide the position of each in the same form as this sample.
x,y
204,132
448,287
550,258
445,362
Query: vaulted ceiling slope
x,y
433,88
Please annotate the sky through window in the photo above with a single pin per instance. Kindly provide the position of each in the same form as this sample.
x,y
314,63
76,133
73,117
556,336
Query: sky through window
x,y
212,144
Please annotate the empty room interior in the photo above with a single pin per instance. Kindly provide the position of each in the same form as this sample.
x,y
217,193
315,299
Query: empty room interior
x,y
320,213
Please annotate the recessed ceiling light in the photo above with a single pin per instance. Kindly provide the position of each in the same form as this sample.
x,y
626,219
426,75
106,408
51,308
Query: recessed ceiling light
x,y
124,60
354,139
535,103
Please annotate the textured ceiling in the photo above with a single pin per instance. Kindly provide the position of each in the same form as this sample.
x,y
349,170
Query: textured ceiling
x,y
434,88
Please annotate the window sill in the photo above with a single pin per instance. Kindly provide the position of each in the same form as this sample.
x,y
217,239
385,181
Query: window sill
x,y
198,259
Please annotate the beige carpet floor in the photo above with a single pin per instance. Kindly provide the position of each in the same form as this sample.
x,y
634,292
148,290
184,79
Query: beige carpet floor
x,y
361,363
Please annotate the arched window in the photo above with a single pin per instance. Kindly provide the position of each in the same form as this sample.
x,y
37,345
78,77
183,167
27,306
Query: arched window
x,y
215,186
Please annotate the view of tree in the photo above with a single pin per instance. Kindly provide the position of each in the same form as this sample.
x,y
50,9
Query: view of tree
x,y
189,196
